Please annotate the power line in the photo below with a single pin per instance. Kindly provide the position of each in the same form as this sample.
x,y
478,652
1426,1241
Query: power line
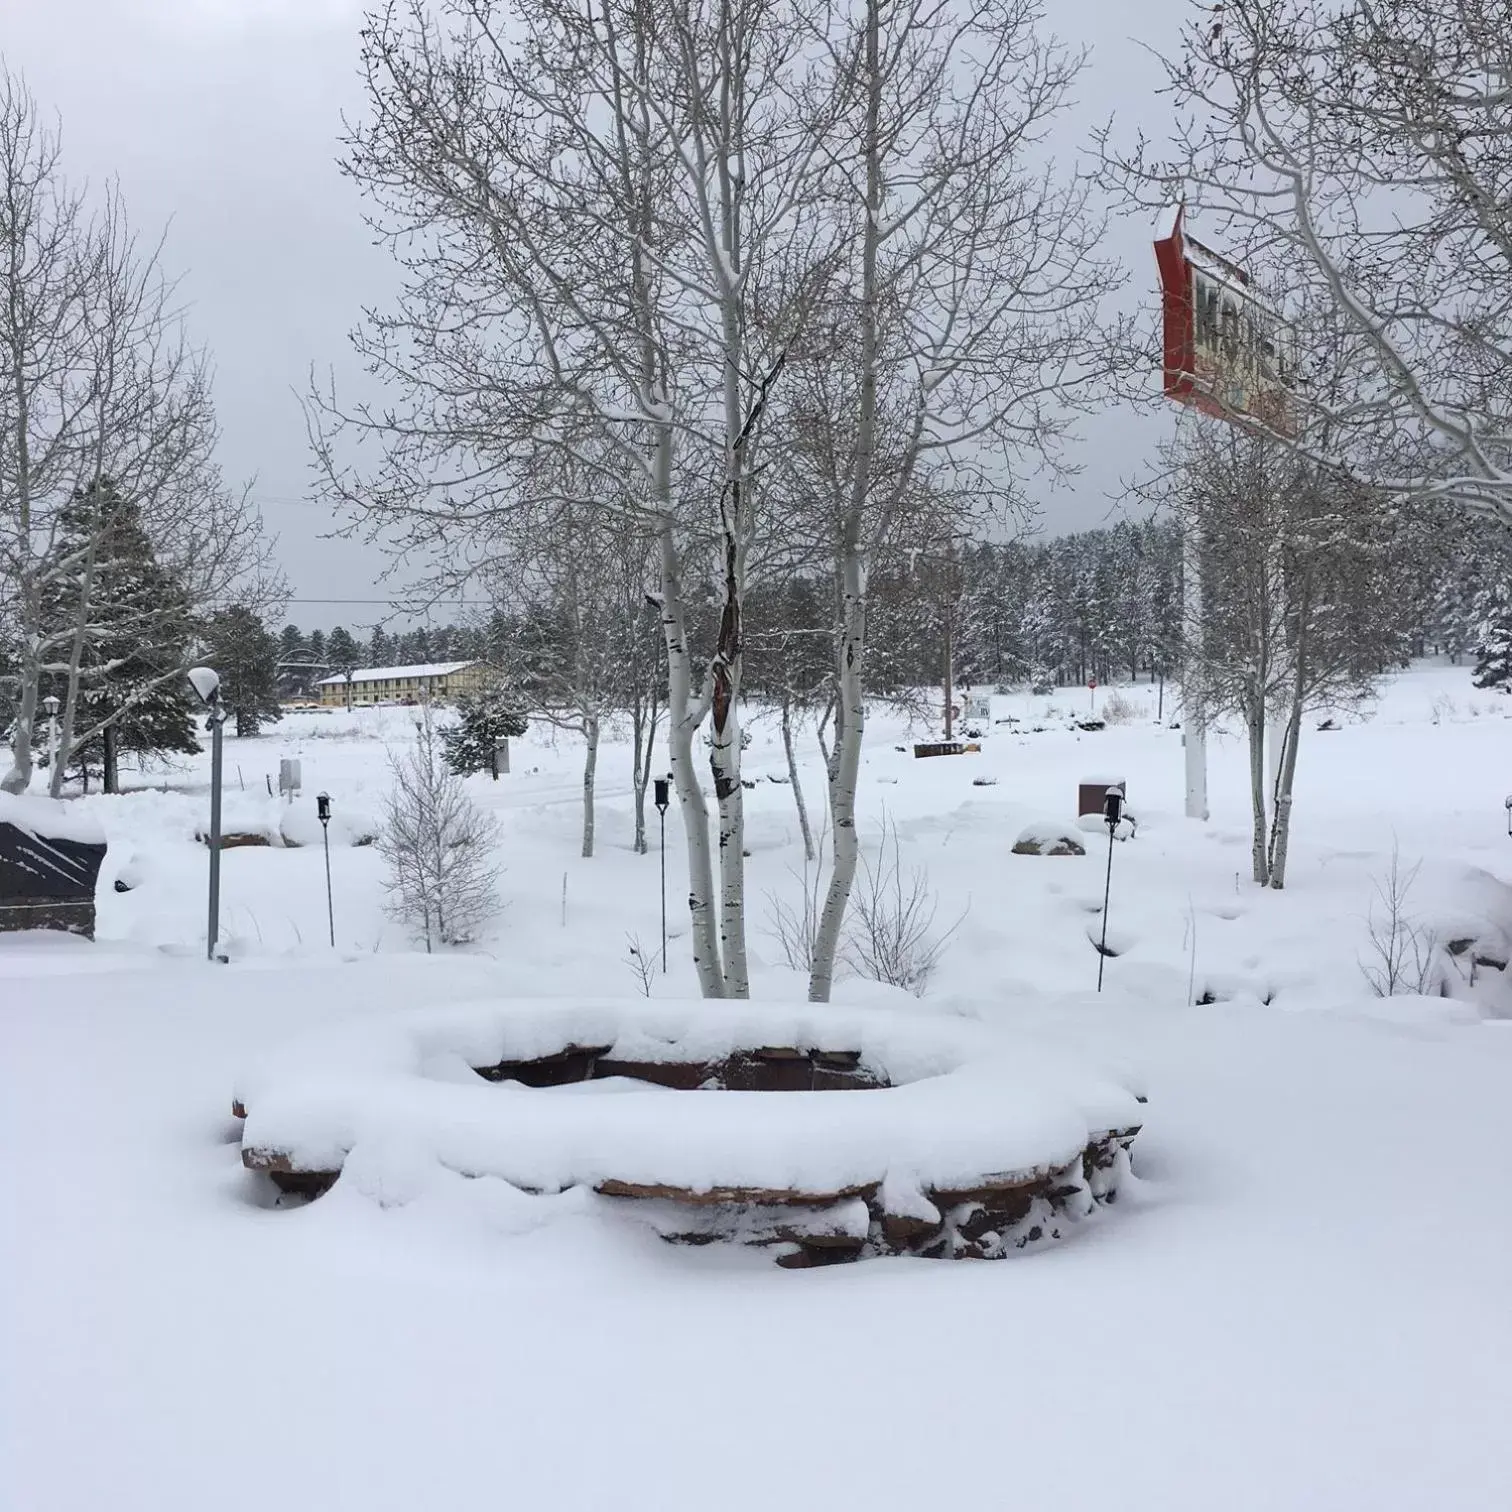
x,y
406,604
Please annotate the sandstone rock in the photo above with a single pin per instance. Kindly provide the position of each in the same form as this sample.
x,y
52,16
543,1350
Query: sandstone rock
x,y
1049,840
575,1063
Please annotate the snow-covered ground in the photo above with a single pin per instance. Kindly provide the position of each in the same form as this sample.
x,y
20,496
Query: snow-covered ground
x,y
1302,1303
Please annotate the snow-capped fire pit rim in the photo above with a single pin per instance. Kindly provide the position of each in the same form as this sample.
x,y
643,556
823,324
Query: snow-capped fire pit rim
x,y
865,1177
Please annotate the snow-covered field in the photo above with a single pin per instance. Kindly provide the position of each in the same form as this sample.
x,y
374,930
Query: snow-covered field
x,y
1302,1303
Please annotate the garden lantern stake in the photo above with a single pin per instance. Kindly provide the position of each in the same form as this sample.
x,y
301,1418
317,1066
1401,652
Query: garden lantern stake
x,y
206,683
50,703
1509,813
323,811
1113,806
663,799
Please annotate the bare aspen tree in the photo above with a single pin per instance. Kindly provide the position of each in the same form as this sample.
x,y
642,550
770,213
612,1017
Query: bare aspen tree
x,y
103,403
1362,148
1297,609
44,236
962,321
572,649
590,202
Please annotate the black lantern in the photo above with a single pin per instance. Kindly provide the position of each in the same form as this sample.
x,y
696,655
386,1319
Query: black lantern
x,y
663,799
1113,807
323,813
1509,813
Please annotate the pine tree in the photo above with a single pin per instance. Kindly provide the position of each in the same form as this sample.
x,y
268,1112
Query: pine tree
x,y
240,648
380,652
293,674
492,716
137,632
1493,638
318,655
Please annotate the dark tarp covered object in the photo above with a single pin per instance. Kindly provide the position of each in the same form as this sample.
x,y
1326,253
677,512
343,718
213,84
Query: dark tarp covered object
x,y
47,883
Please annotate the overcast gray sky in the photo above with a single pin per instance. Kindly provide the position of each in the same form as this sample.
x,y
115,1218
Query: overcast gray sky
x,y
221,118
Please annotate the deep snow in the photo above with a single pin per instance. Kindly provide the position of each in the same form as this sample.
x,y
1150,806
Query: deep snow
x,y
1301,1304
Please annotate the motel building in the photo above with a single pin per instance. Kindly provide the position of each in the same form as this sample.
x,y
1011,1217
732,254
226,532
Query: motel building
x,y
436,682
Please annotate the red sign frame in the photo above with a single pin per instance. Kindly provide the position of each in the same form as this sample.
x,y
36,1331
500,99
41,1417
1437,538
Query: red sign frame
x,y
1213,319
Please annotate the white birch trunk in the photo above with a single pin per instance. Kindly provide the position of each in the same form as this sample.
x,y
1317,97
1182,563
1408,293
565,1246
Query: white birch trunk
x,y
642,740
850,711
590,770
18,779
1255,724
792,765
845,768
683,720
1280,837
724,759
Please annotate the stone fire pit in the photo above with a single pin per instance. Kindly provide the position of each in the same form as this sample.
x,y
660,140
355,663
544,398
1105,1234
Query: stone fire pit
x,y
713,1122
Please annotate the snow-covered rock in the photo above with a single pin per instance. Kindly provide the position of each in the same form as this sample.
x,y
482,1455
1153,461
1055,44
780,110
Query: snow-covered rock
x,y
1048,837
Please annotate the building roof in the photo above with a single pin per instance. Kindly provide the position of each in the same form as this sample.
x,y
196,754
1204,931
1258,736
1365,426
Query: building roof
x,y
385,674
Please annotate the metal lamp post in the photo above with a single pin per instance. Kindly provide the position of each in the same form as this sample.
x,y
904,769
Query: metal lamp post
x,y
323,811
663,800
1113,807
206,683
50,703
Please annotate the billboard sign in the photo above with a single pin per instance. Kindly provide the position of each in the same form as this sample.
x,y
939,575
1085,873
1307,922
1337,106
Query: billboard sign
x,y
1226,351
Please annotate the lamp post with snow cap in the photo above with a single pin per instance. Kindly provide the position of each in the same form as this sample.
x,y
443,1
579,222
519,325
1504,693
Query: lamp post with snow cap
x,y
323,813
50,703
206,683
1113,807
663,799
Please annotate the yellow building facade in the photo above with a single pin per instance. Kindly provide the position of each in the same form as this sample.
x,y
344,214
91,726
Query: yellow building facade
x,y
437,682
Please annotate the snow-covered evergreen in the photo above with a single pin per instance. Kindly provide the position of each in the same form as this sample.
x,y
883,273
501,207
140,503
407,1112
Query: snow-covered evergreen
x,y
492,716
241,649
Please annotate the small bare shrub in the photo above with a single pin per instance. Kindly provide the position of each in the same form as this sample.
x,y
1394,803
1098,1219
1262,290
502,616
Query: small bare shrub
x,y
891,936
642,963
1402,958
1118,710
795,927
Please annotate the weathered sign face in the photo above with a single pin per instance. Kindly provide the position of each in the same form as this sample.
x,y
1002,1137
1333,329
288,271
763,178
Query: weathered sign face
x,y
1226,351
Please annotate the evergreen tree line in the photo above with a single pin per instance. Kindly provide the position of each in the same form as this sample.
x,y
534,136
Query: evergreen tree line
x,y
1103,603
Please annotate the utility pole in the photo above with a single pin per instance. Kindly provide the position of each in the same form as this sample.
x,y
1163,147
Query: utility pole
x,y
1193,718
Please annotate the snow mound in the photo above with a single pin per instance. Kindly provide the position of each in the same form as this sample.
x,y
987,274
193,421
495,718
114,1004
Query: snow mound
x,y
956,1137
1095,824
1048,837
299,824
51,818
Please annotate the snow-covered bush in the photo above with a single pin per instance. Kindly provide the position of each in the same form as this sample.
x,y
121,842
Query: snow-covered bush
x,y
439,846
